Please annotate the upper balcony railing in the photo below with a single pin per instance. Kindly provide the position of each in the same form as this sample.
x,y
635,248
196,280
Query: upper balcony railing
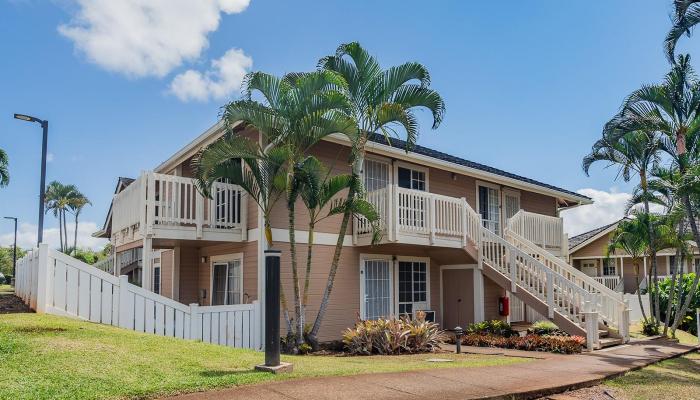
x,y
418,217
169,206
543,230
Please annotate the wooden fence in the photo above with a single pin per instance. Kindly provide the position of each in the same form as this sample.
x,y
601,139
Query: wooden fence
x,y
51,282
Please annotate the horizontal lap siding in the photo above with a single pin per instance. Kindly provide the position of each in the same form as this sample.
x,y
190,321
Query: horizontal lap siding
x,y
250,268
491,294
538,203
594,249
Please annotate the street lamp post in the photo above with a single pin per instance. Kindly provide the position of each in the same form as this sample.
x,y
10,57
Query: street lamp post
x,y
14,249
42,189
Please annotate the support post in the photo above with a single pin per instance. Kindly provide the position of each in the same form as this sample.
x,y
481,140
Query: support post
x,y
591,322
44,281
550,294
512,268
431,218
272,315
147,264
195,322
625,322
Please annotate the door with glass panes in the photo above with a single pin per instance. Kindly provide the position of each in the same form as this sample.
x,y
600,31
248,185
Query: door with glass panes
x,y
412,209
490,208
377,279
227,283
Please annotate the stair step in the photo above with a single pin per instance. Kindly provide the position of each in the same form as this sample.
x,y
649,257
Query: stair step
x,y
608,342
603,333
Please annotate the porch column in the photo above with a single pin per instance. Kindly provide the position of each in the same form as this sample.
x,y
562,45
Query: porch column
x,y
478,295
147,264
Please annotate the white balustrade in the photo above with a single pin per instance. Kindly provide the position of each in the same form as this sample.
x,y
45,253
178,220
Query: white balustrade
x,y
611,282
543,230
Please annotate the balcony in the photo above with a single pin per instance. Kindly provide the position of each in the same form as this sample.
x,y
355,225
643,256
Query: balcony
x,y
417,217
170,207
542,230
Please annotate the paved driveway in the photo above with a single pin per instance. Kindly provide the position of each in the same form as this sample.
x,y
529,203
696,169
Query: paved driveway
x,y
552,374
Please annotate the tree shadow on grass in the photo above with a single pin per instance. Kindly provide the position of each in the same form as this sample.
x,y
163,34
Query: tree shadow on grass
x,y
220,373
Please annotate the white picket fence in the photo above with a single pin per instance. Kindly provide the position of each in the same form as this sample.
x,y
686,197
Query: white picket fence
x,y
54,283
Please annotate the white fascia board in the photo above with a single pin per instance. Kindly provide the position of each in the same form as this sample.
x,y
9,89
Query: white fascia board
x,y
394,152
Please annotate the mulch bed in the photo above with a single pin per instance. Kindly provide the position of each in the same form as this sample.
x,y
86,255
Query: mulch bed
x,y
9,303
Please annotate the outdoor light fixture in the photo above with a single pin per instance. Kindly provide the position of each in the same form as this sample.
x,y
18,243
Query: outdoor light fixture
x,y
42,188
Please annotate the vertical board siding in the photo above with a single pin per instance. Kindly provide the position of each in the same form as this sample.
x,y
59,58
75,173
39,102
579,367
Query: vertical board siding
x,y
75,289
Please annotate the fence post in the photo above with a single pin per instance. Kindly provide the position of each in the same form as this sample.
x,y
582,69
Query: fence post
x,y
43,279
550,294
591,325
126,316
195,322
257,337
625,322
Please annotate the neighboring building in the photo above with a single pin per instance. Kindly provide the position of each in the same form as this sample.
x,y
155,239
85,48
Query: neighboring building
x,y
434,254
588,253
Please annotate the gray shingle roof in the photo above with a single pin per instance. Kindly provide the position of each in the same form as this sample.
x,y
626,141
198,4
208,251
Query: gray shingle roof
x,y
578,239
401,144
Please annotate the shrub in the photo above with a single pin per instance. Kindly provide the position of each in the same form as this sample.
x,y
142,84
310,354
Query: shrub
x,y
531,342
683,286
649,328
494,327
393,336
545,327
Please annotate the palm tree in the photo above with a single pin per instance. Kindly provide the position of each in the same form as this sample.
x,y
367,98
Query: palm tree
x,y
4,170
380,101
75,205
671,110
633,152
297,111
321,193
58,198
686,15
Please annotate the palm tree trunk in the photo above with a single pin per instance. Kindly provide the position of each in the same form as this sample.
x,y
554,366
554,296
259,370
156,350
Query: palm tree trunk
x,y
75,234
65,229
307,276
639,292
671,291
356,170
60,229
295,275
694,287
652,244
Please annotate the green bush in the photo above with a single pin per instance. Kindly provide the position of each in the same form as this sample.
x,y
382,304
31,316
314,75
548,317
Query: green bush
x,y
688,322
531,342
545,327
649,328
393,336
494,327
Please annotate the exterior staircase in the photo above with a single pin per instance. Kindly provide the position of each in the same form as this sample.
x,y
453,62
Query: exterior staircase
x,y
576,303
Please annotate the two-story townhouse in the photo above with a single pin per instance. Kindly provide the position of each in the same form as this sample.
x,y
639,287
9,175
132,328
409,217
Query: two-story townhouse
x,y
458,237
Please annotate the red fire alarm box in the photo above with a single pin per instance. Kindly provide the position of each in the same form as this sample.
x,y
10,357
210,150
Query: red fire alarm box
x,y
503,306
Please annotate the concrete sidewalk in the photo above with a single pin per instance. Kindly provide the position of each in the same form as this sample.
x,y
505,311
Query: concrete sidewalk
x,y
552,374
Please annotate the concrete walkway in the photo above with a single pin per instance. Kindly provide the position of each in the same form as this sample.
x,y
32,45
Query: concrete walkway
x,y
548,375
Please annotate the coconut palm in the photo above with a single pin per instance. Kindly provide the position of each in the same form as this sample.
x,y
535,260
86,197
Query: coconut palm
x,y
58,198
76,204
4,170
380,101
686,15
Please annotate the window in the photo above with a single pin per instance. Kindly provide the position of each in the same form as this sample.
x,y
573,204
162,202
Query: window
x,y
609,268
227,204
673,264
376,175
413,287
227,283
489,208
156,279
411,179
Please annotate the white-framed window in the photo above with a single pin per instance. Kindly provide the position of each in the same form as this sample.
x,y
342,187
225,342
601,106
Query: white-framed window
x,y
376,174
391,286
409,176
489,205
609,267
226,280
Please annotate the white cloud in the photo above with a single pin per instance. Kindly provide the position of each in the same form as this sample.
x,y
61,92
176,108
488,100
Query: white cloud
x,y
607,208
141,38
49,157
26,236
223,78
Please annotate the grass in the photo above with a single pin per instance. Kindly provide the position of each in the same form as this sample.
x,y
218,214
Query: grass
x,y
43,356
682,336
5,289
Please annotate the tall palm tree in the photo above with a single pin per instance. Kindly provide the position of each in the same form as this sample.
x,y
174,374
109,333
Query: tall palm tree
x,y
58,198
295,113
4,169
671,109
380,101
686,15
633,152
76,204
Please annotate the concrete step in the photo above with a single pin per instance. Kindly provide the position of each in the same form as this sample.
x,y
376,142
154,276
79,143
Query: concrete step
x,y
608,342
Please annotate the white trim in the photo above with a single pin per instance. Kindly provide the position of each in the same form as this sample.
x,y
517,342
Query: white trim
x,y
414,167
442,302
221,259
374,257
399,259
175,253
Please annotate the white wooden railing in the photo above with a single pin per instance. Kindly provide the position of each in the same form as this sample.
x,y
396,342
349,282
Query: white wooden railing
x,y
106,264
160,201
54,283
543,230
611,282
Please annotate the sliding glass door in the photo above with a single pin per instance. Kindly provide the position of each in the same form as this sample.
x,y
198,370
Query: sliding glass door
x,y
227,284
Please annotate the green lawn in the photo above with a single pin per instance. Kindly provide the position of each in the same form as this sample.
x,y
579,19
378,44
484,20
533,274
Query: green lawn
x,y
4,289
44,356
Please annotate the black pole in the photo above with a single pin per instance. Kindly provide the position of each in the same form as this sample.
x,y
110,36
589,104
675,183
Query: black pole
x,y
14,253
272,308
42,189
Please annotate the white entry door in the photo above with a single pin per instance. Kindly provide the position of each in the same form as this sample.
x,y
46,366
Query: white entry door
x,y
377,289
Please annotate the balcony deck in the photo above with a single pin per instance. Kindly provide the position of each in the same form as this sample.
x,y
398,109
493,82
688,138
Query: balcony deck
x,y
163,206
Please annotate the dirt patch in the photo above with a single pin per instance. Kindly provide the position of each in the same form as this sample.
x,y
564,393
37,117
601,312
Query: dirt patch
x,y
38,329
9,303
591,393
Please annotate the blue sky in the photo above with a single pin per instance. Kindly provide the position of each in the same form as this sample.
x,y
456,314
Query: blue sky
x,y
528,85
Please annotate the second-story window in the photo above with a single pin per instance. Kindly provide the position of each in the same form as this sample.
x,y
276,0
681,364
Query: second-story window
x,y
490,208
411,179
